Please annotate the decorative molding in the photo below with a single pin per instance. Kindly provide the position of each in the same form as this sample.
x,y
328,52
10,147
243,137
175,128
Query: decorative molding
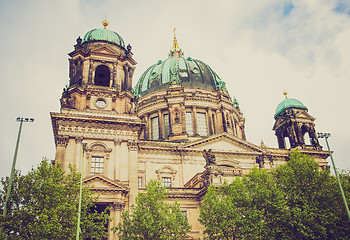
x,y
132,145
166,171
62,141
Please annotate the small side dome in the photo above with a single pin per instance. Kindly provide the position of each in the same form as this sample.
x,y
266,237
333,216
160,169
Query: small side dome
x,y
104,35
289,103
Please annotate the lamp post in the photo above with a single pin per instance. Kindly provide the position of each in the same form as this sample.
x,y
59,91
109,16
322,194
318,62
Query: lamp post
x,y
9,187
83,145
326,136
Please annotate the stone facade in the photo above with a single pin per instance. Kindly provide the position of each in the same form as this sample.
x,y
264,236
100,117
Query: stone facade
x,y
169,134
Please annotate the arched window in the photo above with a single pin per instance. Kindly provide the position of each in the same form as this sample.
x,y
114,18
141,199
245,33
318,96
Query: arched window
x,y
102,76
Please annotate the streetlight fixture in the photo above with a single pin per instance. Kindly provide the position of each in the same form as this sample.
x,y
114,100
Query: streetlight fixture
x,y
326,136
83,145
9,187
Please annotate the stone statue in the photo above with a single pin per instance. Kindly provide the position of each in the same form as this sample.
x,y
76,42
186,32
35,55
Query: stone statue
x,y
209,157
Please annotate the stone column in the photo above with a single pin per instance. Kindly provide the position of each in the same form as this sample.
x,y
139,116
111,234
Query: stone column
x,y
210,122
114,103
171,133
124,85
133,172
219,125
117,164
160,125
78,154
115,214
280,140
110,77
194,121
223,120
147,128
88,100
124,161
61,144
181,169
183,118
114,79
91,72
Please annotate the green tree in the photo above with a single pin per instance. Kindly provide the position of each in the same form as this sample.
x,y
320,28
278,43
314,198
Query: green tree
x,y
152,217
251,207
44,205
295,201
313,197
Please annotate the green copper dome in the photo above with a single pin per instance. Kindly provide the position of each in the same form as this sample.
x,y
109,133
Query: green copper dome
x,y
289,103
104,35
177,70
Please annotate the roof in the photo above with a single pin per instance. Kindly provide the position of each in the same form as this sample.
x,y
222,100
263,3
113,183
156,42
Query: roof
x,y
104,35
289,103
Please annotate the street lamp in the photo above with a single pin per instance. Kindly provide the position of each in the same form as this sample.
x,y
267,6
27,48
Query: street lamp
x,y
326,136
9,187
83,145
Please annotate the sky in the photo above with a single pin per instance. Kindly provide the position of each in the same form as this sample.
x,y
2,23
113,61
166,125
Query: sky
x,y
259,48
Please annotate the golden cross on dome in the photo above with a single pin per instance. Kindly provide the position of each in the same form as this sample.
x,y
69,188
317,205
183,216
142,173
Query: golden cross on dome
x,y
285,94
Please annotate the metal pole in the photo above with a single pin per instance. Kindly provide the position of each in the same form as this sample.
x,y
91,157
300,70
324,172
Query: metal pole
x,y
9,187
339,183
81,190
13,169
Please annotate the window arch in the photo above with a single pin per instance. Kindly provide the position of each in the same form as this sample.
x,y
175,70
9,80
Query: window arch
x,y
166,175
102,76
97,156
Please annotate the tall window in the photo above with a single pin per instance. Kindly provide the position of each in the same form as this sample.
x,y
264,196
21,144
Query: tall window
x,y
155,129
140,182
214,124
189,126
202,124
166,125
96,165
166,181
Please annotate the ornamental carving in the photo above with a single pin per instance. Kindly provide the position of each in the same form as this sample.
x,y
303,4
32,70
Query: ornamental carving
x,y
133,146
166,171
62,141
209,157
118,206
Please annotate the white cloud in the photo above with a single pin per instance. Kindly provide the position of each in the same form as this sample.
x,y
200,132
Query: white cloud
x,y
250,44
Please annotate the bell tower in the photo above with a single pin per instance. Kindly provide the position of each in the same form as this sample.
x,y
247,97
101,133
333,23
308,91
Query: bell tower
x,y
98,107
100,72
295,124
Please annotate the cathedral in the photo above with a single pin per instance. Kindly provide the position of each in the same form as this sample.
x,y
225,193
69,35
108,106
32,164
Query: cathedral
x,y
179,125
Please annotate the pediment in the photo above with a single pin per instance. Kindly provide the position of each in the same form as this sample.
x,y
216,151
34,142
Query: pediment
x,y
105,50
300,116
224,142
100,182
304,115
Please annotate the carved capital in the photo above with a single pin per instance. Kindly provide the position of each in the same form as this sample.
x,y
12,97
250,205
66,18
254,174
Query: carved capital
x,y
133,146
118,206
78,140
117,142
62,141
